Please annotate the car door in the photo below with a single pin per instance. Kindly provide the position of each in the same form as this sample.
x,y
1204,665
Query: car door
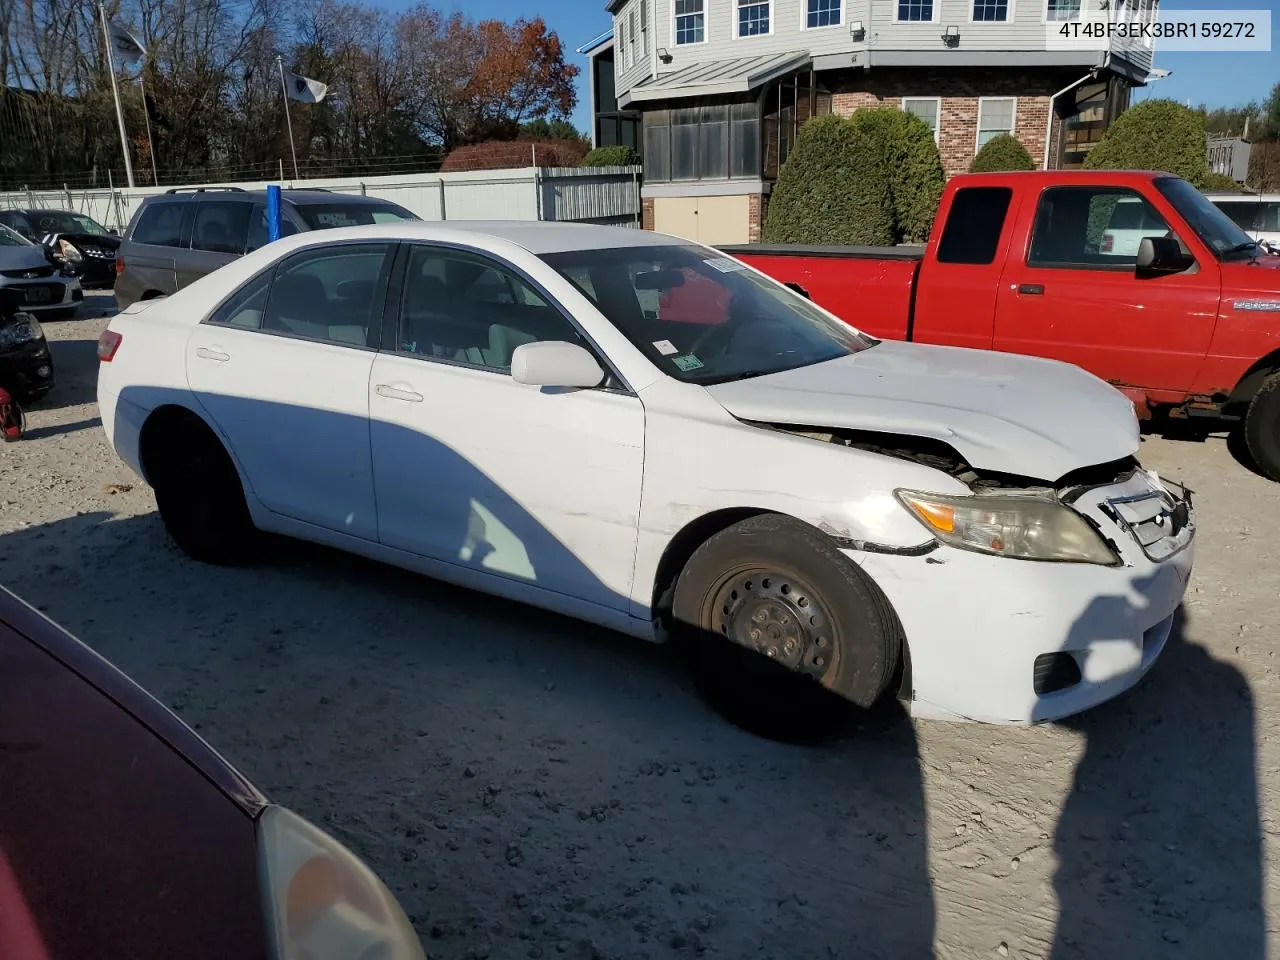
x,y
1065,297
537,485
282,367
218,236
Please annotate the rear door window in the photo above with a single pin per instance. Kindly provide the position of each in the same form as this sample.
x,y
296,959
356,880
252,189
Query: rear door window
x,y
161,225
221,226
334,294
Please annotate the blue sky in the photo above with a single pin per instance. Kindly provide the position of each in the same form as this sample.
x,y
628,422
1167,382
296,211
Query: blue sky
x,y
1216,79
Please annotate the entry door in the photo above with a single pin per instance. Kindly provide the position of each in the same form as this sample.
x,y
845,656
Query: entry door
x,y
536,485
283,370
1075,297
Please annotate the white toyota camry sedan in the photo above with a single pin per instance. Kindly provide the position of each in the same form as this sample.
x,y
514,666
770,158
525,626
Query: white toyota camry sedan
x,y
634,430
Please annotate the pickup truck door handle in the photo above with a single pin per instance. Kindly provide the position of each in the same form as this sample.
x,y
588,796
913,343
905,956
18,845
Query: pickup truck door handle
x,y
397,393
212,353
1031,289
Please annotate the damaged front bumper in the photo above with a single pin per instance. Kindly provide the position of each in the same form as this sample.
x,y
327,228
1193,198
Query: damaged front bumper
x,y
1002,640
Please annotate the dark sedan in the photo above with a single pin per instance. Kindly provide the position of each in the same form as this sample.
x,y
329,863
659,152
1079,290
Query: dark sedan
x,y
124,835
87,246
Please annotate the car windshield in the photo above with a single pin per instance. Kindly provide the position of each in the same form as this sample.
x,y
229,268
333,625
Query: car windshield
x,y
1218,231
11,238
320,216
703,318
54,221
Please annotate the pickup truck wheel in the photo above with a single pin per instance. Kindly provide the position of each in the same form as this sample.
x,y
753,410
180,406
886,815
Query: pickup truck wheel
x,y
784,636
201,501
1262,427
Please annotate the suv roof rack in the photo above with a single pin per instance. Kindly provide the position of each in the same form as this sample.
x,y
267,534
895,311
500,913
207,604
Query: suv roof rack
x,y
203,189
301,189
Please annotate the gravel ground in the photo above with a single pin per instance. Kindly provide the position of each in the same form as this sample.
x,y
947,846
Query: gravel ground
x,y
531,787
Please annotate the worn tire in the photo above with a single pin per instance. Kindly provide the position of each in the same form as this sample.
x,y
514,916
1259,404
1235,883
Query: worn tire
x,y
858,636
201,500
1262,427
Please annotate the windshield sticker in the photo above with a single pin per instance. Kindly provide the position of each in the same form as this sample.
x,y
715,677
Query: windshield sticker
x,y
687,362
725,265
665,347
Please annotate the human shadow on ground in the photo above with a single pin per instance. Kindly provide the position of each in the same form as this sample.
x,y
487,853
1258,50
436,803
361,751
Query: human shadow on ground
x,y
1160,842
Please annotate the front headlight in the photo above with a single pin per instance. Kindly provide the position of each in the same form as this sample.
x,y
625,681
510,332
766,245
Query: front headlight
x,y
20,332
69,251
322,901
1028,528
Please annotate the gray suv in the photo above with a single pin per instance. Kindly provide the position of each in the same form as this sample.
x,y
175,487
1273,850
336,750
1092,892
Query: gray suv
x,y
185,233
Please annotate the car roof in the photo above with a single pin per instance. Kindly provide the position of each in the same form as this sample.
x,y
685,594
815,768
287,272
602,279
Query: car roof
x,y
535,236
25,621
296,196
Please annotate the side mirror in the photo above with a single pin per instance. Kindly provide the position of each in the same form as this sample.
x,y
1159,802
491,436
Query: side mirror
x,y
555,363
1162,255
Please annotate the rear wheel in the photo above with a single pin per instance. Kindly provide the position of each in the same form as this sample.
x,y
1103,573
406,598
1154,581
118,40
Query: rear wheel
x,y
1262,427
785,636
199,496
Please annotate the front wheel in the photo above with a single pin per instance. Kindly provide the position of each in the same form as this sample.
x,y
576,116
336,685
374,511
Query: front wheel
x,y
785,636
1262,427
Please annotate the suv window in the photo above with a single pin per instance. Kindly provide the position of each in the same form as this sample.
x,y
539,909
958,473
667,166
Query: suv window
x,y
160,225
19,222
330,293
974,224
222,226
320,216
1081,227
258,227
464,308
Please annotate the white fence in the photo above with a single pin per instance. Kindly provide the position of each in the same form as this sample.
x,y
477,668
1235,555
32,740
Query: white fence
x,y
609,195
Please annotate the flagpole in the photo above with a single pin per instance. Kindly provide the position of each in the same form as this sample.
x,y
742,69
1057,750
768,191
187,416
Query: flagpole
x,y
151,147
115,89
284,88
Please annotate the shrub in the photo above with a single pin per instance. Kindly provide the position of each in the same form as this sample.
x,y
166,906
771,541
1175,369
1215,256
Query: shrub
x,y
508,154
1155,135
831,189
1220,181
1002,152
611,157
909,161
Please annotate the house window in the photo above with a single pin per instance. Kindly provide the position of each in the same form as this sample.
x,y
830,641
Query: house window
x,y
915,11
753,17
1063,10
631,37
990,11
927,109
822,13
691,21
624,50
995,116
644,28
708,142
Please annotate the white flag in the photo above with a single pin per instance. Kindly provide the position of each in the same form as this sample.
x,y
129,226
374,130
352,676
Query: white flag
x,y
125,47
308,91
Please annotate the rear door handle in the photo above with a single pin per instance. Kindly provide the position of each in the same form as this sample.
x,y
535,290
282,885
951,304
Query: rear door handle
x,y
397,393
1031,289
212,353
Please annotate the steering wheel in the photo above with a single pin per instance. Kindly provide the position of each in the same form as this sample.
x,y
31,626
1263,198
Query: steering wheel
x,y
731,330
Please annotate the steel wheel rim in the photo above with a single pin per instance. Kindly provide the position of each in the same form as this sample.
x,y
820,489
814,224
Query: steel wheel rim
x,y
778,615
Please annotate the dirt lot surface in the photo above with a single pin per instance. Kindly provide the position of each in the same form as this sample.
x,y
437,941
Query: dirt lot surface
x,y
530,787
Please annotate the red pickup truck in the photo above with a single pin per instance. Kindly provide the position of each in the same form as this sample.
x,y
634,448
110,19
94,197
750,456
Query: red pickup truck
x,y
1134,276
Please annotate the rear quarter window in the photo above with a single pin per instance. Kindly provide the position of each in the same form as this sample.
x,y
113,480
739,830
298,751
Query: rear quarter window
x,y
974,225
160,225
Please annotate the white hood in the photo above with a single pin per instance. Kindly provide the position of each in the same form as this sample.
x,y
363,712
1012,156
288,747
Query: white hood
x,y
1001,411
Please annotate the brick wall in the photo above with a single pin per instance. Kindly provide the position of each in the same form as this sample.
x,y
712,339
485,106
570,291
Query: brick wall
x,y
960,89
755,216
646,213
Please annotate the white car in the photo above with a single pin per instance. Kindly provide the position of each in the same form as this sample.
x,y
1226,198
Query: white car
x,y
503,406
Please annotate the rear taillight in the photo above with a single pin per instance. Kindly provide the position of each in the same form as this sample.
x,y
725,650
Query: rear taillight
x,y
108,344
1108,241
119,264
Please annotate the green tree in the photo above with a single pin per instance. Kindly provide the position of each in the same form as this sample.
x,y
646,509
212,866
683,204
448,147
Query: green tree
x,y
908,160
1155,135
1002,152
618,156
831,189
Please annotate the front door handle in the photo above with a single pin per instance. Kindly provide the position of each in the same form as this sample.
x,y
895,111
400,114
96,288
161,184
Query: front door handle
x,y
1031,289
212,353
397,393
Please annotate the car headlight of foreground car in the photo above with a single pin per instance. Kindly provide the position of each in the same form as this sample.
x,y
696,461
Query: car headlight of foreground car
x,y
1028,528
26,330
322,901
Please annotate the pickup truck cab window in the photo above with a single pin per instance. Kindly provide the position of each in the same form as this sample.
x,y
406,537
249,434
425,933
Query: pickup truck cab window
x,y
1218,232
1088,227
701,318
